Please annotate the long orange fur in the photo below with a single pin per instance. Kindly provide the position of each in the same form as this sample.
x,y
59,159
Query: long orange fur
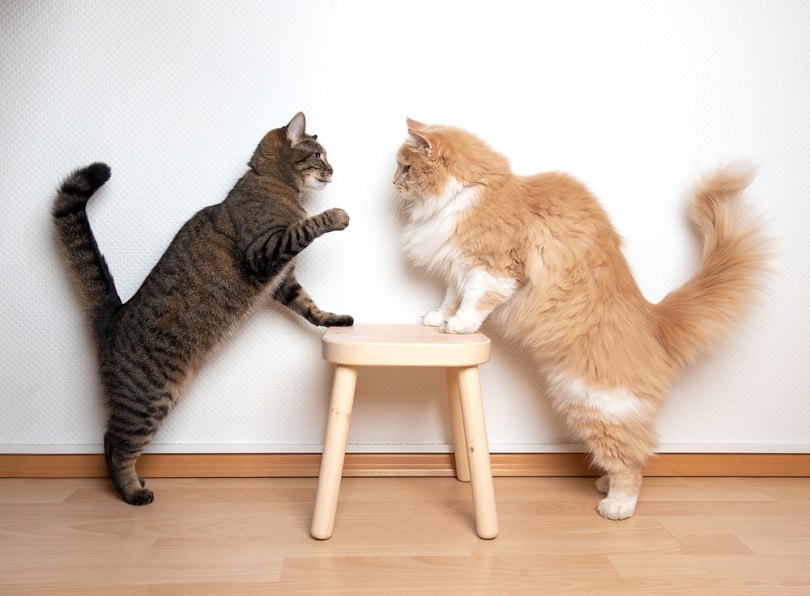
x,y
540,254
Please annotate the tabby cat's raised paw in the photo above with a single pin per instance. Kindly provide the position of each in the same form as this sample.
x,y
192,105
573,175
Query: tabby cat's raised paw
x,y
338,219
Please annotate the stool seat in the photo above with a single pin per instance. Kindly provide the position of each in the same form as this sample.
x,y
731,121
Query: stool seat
x,y
403,345
349,348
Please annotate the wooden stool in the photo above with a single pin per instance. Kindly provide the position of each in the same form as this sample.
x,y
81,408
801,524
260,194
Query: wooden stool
x,y
408,345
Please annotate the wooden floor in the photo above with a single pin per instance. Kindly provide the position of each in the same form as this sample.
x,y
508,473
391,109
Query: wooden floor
x,y
405,536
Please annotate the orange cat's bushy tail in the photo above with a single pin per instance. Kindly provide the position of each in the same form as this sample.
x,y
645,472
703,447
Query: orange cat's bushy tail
x,y
732,272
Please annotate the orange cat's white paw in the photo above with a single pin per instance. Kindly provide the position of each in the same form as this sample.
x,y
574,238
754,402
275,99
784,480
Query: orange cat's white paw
x,y
433,319
603,484
613,508
457,324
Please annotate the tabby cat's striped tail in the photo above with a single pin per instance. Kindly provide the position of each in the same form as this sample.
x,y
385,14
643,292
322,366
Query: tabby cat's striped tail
x,y
86,262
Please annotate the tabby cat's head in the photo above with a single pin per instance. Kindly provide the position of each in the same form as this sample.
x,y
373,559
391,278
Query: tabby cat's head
x,y
291,152
436,162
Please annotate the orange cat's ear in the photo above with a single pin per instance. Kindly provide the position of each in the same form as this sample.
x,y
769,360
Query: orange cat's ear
x,y
421,141
295,129
419,137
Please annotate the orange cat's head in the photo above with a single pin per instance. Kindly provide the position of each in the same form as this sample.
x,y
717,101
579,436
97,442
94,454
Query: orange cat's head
x,y
435,162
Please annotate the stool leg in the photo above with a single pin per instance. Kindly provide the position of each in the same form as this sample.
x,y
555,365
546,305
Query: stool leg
x,y
457,422
475,431
334,451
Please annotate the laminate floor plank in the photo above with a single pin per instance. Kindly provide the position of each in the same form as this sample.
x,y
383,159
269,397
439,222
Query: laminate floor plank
x,y
404,535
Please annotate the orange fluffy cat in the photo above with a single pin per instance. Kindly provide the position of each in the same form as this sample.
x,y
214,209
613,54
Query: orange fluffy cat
x,y
539,253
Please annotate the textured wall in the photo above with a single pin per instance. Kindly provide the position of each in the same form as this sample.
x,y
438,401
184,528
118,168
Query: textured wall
x,y
636,98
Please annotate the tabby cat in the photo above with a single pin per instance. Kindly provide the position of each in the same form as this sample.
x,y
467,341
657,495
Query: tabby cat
x,y
225,261
540,254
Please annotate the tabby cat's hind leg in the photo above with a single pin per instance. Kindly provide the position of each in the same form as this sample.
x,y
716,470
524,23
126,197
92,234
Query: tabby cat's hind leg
x,y
121,458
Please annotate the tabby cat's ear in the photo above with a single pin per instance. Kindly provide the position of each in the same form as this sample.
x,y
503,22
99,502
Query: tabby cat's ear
x,y
295,129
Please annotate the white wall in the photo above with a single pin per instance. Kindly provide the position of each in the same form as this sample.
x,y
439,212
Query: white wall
x,y
636,98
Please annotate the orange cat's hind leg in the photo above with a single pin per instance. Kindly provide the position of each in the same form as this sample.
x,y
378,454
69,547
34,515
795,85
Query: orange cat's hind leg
x,y
603,484
622,489
620,450
618,428
619,446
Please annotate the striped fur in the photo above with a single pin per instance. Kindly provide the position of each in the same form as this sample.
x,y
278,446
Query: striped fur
x,y
225,261
539,253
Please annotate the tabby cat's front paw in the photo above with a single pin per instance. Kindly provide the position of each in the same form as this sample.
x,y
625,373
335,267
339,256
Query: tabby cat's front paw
x,y
334,320
338,219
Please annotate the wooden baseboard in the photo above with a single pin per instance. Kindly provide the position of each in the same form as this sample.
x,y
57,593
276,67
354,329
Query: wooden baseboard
x,y
307,465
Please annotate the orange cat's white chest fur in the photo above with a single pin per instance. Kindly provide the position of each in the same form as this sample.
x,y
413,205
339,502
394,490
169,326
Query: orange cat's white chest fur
x,y
472,292
428,237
